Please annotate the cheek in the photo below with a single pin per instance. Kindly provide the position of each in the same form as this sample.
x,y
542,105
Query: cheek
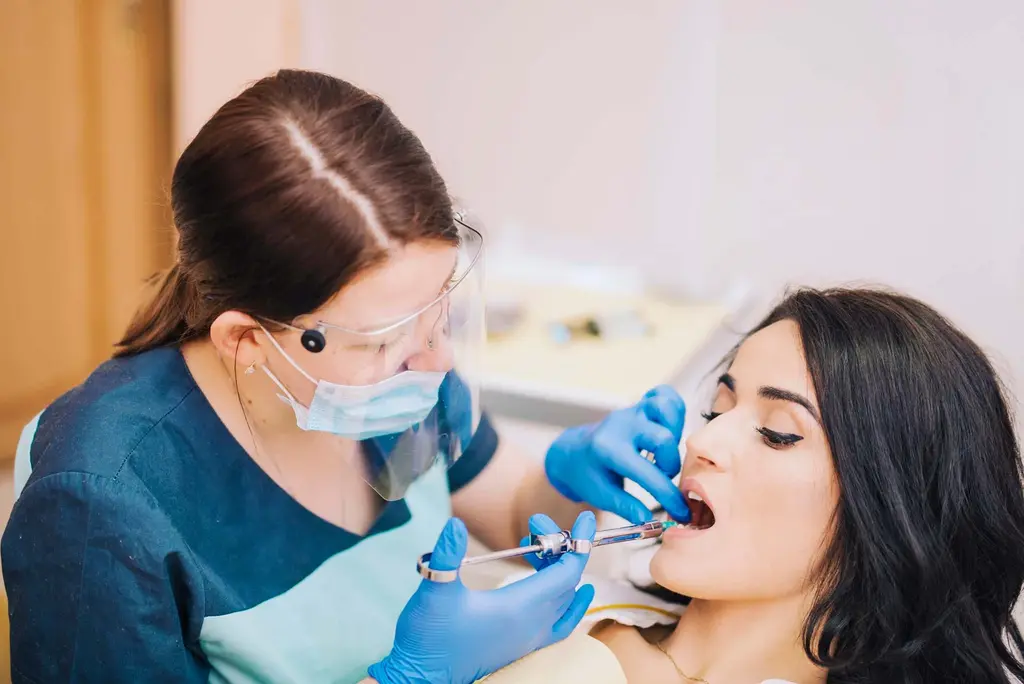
x,y
361,366
358,368
344,367
772,530
792,528
295,382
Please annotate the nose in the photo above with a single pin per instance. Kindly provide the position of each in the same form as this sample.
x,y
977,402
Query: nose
x,y
710,446
433,356
434,348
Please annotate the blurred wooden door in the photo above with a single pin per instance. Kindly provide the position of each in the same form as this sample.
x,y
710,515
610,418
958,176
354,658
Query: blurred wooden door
x,y
85,159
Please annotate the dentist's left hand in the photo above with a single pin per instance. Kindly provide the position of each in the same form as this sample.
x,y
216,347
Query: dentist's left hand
x,y
589,463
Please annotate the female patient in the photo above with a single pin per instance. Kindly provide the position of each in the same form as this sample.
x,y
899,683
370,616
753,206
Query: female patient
x,y
858,489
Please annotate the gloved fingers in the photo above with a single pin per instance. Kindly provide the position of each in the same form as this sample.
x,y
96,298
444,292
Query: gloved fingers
x,y
567,569
450,548
542,524
573,615
585,527
562,604
535,562
660,441
610,496
562,574
627,463
664,406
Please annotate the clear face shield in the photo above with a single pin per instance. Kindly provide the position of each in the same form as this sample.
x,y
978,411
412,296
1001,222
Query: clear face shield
x,y
416,399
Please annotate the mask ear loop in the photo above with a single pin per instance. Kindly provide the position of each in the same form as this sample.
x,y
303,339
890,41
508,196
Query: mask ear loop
x,y
290,360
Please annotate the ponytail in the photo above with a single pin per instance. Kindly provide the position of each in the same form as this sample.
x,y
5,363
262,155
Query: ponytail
x,y
164,320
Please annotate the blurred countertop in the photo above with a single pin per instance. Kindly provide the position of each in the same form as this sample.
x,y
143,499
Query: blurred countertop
x,y
594,374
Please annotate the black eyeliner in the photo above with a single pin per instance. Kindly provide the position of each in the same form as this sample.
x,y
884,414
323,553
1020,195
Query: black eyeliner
x,y
778,438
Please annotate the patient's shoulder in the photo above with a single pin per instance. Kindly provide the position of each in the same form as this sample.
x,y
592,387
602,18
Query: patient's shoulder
x,y
579,659
640,659
617,636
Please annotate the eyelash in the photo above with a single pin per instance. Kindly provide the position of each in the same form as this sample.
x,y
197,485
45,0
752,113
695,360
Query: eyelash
x,y
778,440
773,439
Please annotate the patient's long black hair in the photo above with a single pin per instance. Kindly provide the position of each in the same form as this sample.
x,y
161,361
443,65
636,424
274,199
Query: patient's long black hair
x,y
926,563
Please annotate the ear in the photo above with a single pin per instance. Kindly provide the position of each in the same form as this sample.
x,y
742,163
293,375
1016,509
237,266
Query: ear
x,y
233,334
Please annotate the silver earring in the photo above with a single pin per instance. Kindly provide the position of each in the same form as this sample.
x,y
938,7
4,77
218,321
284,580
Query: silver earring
x,y
251,369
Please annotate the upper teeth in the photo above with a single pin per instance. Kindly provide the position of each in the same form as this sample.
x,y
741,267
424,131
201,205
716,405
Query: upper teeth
x,y
695,496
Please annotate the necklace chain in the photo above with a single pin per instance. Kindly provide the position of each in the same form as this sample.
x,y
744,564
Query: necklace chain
x,y
679,671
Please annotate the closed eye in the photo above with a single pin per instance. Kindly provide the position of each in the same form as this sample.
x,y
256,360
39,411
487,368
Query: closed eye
x,y
777,440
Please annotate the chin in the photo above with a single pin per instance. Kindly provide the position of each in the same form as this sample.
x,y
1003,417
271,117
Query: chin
x,y
698,577
685,575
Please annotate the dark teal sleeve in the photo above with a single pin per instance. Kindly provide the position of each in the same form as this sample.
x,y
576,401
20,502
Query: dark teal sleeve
x,y
478,439
474,459
100,589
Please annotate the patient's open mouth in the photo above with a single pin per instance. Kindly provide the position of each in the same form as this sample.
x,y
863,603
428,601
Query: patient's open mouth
x,y
701,515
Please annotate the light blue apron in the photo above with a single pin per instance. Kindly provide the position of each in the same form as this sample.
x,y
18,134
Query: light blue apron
x,y
340,619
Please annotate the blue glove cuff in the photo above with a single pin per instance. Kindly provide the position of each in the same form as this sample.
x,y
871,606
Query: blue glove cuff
x,y
385,672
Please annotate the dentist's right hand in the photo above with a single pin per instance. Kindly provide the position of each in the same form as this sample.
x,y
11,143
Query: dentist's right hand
x,y
448,634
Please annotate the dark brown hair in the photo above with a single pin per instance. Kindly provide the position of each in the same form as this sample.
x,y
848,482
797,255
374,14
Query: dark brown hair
x,y
288,192
927,561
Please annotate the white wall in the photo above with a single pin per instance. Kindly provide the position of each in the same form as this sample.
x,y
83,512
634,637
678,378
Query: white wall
x,y
878,140
801,141
220,47
551,118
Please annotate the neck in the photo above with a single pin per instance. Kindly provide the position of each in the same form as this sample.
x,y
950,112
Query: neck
x,y
319,470
743,641
239,398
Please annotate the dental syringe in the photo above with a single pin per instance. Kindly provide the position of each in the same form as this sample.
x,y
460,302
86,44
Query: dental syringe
x,y
550,545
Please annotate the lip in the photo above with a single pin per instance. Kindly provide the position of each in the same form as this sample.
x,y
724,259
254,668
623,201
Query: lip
x,y
691,484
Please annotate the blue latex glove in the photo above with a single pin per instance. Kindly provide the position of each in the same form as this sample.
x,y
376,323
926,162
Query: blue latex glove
x,y
540,524
450,634
589,463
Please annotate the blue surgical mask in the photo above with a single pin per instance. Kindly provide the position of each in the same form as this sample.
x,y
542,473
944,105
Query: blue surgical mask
x,y
363,412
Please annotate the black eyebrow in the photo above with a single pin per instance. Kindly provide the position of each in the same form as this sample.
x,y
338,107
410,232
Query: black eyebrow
x,y
775,394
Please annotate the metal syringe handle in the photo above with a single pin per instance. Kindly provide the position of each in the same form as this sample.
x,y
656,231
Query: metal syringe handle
x,y
546,546
543,545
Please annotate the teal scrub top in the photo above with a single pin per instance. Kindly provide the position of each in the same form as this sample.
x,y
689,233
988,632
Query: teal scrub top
x,y
146,546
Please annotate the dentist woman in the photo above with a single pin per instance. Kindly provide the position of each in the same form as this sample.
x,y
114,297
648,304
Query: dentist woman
x,y
241,493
